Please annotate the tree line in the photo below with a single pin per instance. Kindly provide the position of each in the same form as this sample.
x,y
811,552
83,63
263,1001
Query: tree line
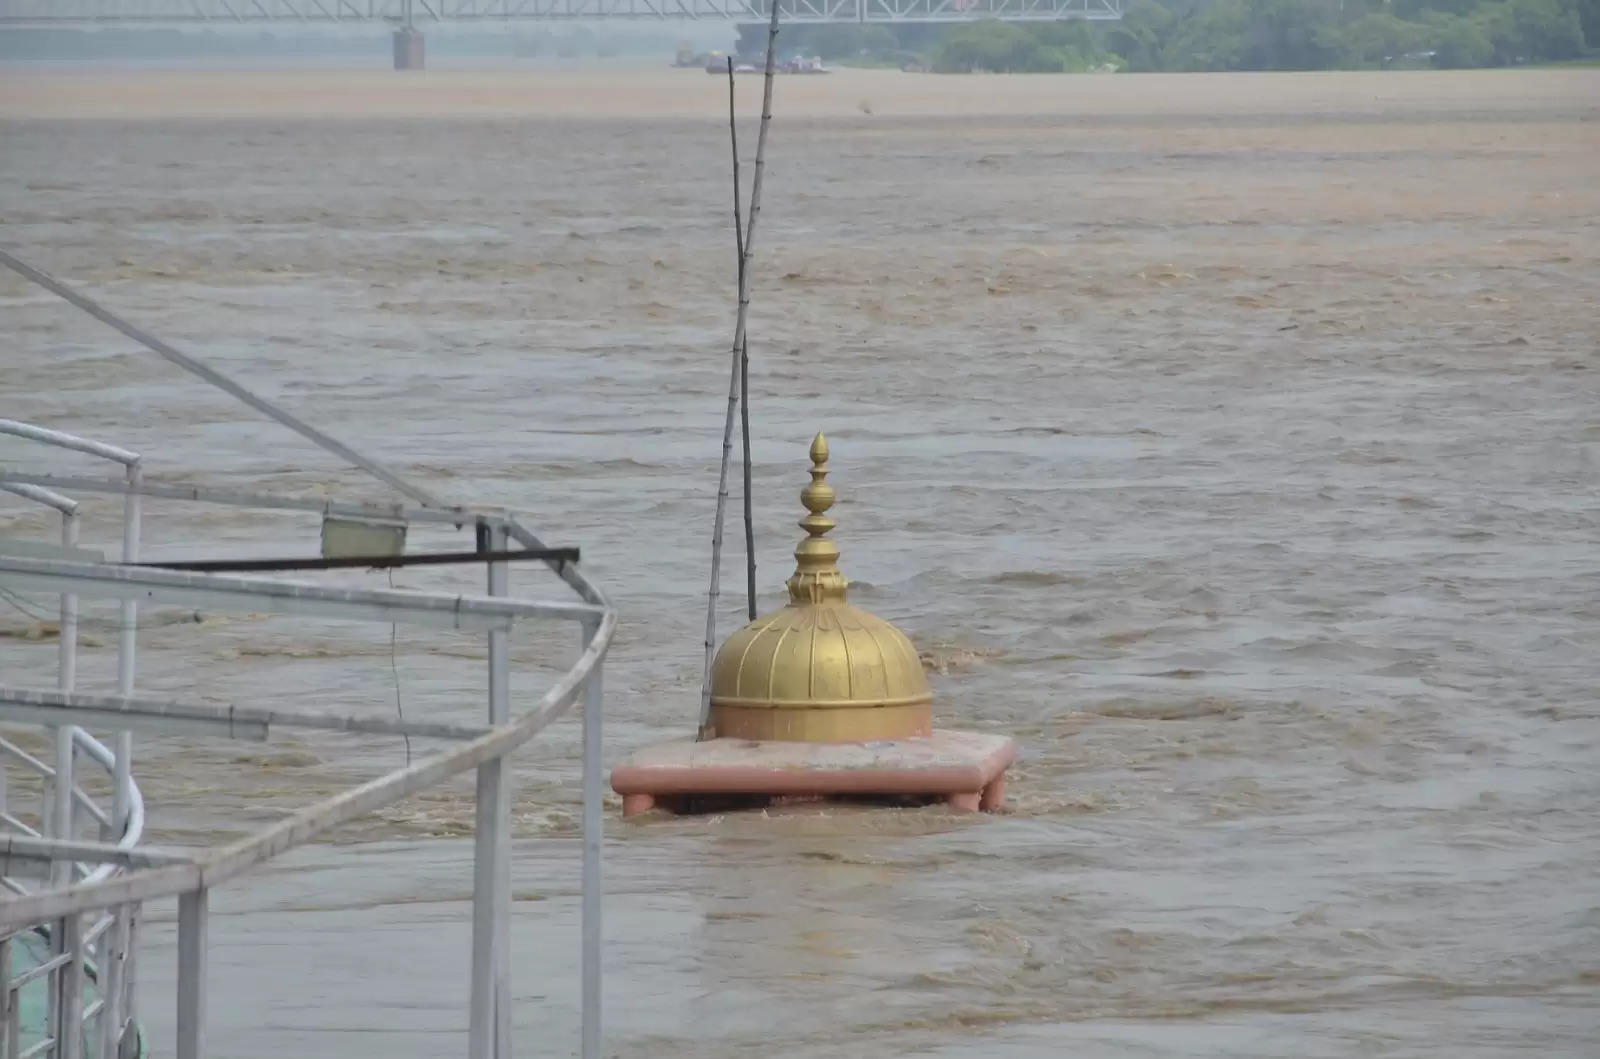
x,y
1234,35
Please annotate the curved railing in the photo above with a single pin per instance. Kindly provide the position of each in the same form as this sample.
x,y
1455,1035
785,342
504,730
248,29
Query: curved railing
x,y
63,978
118,872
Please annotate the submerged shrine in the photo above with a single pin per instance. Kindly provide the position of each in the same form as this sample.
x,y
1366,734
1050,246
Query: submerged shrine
x,y
818,699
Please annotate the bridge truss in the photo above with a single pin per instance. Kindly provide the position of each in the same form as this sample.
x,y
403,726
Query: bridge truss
x,y
415,12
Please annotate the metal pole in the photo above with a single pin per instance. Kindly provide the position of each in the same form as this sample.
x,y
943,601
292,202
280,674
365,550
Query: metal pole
x,y
112,954
489,1034
127,643
130,971
69,1041
60,824
593,824
192,916
219,380
13,1042
6,1012
116,991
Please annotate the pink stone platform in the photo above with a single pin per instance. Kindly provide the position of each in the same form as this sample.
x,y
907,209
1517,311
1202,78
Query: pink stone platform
x,y
966,769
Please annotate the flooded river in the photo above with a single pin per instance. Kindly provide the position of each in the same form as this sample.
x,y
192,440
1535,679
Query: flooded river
x,y
1231,440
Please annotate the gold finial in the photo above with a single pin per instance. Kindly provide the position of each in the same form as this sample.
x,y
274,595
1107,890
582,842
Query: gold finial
x,y
817,577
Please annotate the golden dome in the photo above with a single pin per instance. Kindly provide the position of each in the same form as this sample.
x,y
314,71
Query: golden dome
x,y
819,670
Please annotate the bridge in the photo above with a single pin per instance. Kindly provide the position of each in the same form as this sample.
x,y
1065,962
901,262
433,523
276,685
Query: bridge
x,y
125,13
407,15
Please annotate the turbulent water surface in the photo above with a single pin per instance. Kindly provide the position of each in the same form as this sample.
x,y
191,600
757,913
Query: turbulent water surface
x,y
1232,441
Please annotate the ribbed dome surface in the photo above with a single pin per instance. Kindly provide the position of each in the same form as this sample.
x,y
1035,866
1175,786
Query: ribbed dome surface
x,y
818,655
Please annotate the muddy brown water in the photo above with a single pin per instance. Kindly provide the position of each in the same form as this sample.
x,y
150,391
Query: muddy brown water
x,y
1232,441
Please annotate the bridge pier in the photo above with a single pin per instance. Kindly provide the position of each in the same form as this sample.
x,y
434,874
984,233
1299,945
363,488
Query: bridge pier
x,y
407,49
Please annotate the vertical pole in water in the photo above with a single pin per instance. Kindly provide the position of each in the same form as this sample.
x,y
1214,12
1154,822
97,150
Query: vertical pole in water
x,y
489,1035
740,347
593,824
192,916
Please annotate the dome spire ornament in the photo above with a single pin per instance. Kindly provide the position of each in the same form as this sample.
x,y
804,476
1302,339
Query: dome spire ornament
x,y
817,578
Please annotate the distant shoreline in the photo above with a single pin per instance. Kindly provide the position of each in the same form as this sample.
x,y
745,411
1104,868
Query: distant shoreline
x,y
33,92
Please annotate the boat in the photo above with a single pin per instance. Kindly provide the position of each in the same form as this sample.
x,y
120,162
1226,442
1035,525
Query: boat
x,y
804,65
717,63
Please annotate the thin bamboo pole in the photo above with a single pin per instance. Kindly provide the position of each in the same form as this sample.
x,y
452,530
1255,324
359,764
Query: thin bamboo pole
x,y
744,364
735,374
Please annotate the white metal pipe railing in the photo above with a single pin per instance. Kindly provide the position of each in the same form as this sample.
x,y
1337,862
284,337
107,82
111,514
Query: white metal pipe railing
x,y
62,440
454,516
40,495
234,722
60,820
116,888
219,866
125,822
127,642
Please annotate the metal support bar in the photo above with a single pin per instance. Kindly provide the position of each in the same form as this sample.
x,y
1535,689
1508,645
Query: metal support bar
x,y
219,380
113,959
489,1034
593,823
257,595
62,440
127,646
451,516
8,1013
13,1027
69,1034
25,847
239,722
367,562
192,917
61,814
40,495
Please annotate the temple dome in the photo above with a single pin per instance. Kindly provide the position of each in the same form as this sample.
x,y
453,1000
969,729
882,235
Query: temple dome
x,y
819,669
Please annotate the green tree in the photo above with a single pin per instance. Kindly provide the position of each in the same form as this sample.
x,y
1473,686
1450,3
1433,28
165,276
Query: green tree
x,y
1589,22
1143,33
1291,35
1462,42
1548,29
998,47
1377,37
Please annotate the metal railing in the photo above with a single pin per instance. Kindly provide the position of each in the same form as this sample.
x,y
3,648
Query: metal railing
x,y
108,941
90,891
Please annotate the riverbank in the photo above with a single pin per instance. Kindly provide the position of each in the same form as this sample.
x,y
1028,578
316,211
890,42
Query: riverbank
x,y
88,93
